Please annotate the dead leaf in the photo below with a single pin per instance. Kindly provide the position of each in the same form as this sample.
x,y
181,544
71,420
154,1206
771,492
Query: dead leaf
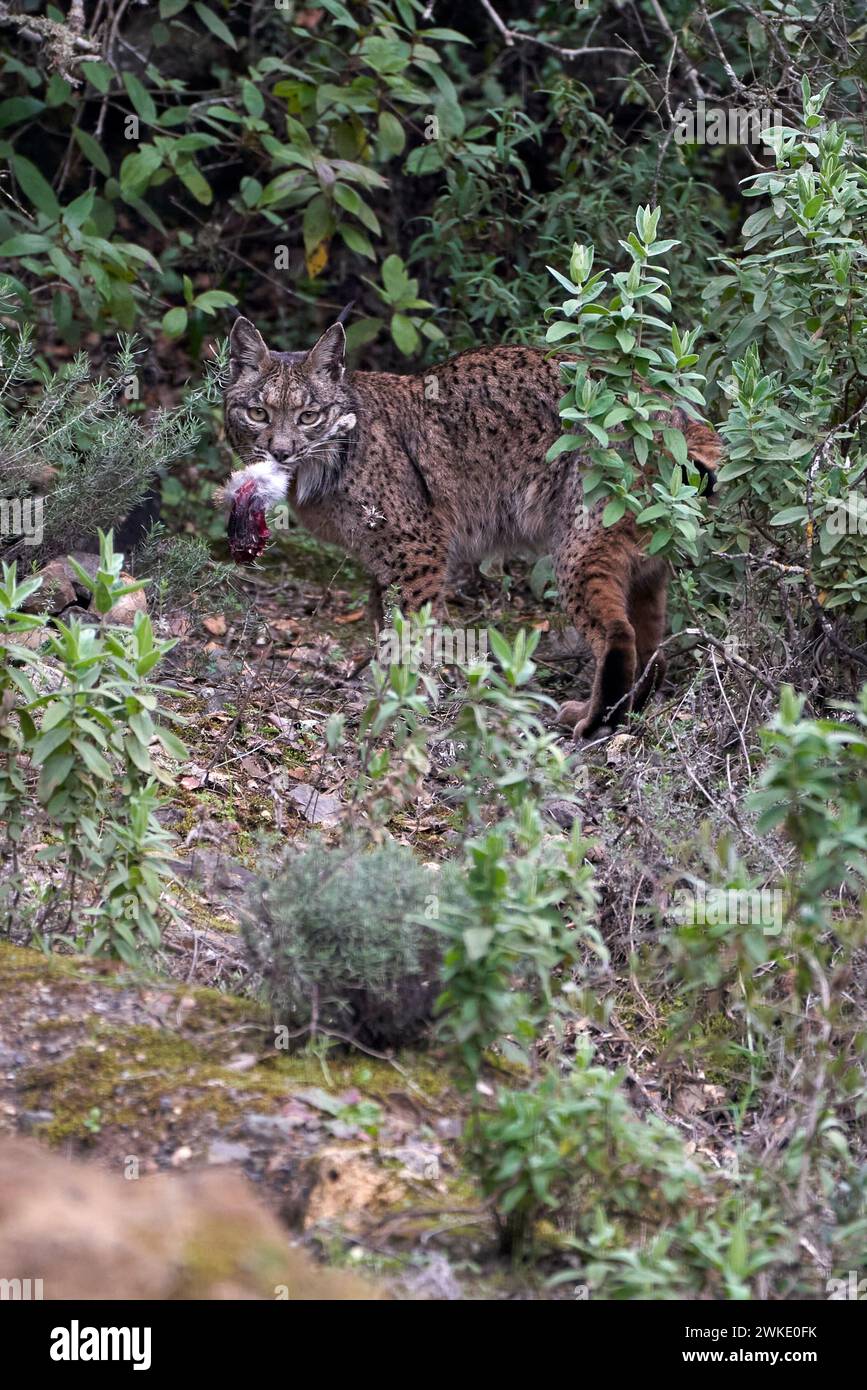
x,y
216,625
317,260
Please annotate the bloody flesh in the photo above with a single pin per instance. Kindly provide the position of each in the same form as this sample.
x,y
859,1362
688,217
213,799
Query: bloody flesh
x,y
247,528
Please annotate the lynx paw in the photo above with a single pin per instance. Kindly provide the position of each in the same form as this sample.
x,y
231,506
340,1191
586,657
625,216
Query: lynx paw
x,y
581,718
572,713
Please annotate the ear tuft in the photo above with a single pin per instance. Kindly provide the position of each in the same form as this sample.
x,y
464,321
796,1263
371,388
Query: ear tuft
x,y
327,357
247,347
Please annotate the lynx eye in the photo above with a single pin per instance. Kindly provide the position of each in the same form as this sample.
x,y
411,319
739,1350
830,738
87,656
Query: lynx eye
x,y
309,417
257,413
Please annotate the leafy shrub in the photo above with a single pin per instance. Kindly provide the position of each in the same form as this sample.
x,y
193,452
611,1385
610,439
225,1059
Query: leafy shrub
x,y
291,143
644,365
573,1144
339,938
82,710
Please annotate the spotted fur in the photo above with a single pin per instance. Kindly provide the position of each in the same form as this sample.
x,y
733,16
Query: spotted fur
x,y
414,475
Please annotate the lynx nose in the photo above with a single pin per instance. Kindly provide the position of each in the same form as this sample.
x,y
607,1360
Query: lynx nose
x,y
281,455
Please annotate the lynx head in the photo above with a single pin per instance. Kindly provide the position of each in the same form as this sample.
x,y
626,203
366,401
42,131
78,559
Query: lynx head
x,y
289,409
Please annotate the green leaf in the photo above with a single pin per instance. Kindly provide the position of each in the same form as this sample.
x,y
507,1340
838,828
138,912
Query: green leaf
x,y
445,35
789,515
405,334
137,169
676,445
561,329
15,109
659,540
614,511
175,322
172,744
391,133
48,743
99,75
25,244
253,98
216,26
140,98
476,941
92,150
357,241
79,210
212,300
55,771
317,223
194,181
93,760
35,186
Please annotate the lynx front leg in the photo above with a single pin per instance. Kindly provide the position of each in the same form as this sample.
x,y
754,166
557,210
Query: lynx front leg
x,y
594,575
419,572
375,611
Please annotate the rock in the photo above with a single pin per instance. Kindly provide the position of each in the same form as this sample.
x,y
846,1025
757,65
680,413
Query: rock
x,y
224,1151
123,612
57,590
319,808
201,1235
618,747
565,813
62,590
218,872
270,1126
243,1061
29,1120
435,1280
345,1184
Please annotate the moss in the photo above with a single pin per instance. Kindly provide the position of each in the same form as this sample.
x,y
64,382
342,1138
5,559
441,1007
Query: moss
x,y
127,1074
197,912
20,965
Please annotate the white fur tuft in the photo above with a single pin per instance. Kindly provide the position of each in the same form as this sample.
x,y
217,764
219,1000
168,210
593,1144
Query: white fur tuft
x,y
272,483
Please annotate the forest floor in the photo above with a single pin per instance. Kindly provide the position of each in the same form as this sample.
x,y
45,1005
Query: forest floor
x,y
177,1066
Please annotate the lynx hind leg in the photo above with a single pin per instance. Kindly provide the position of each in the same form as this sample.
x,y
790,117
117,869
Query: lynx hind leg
x,y
594,575
648,596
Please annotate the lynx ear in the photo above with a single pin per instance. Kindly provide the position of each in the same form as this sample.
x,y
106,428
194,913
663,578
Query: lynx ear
x,y
326,358
247,347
